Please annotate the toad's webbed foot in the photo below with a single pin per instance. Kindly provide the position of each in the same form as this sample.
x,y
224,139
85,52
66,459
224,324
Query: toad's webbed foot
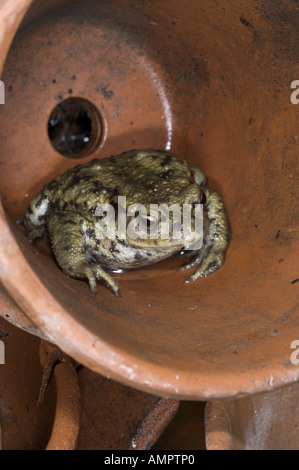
x,y
34,231
211,256
97,273
73,251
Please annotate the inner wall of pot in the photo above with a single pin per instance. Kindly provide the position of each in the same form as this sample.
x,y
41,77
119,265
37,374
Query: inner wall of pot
x,y
197,79
115,57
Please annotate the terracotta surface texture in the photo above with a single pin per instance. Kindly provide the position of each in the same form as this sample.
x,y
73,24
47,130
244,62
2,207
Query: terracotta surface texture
x,y
116,417
28,423
66,424
210,81
266,421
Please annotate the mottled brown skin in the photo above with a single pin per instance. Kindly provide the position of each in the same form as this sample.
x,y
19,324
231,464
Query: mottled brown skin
x,y
64,212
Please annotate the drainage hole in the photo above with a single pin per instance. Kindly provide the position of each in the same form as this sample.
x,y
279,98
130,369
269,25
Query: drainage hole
x,y
75,127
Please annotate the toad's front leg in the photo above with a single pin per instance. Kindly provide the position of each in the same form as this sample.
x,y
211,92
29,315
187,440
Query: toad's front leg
x,y
73,249
211,256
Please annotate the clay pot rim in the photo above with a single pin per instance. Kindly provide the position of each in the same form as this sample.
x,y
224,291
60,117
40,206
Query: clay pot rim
x,y
80,343
11,17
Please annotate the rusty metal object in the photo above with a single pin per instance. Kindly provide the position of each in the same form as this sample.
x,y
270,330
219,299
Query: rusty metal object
x,y
26,424
115,417
162,77
265,421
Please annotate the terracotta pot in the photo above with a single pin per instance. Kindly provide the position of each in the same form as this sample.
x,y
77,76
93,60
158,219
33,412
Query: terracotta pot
x,y
266,421
117,417
66,423
211,82
25,421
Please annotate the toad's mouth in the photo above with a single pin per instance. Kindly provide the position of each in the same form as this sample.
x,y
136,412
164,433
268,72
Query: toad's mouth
x,y
168,241
181,229
192,240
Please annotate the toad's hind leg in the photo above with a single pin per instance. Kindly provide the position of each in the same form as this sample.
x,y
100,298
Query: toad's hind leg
x,y
73,251
211,256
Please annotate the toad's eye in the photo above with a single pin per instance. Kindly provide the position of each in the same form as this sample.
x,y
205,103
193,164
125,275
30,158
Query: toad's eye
x,y
203,198
149,222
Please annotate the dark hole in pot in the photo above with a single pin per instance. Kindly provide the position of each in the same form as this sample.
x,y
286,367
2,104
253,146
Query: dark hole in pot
x,y
75,127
